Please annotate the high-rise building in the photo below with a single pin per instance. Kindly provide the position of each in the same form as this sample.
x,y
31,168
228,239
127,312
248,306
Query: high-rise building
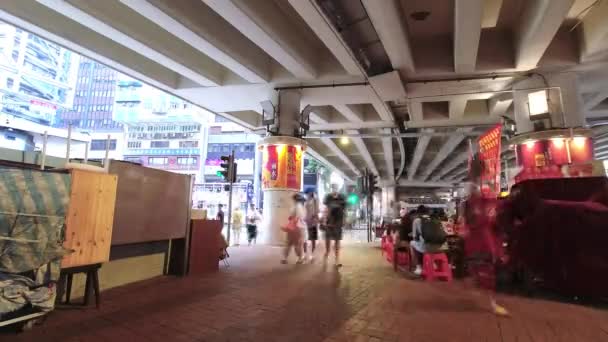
x,y
93,100
37,78
162,131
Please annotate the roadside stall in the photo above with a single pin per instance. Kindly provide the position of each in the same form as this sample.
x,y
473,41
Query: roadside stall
x,y
49,220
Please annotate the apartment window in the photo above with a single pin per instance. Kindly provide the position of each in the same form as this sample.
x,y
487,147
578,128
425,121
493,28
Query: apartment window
x,y
157,160
188,144
134,144
9,82
186,160
100,144
159,144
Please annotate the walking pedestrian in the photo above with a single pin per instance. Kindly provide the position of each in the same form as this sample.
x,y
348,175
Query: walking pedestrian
x,y
336,206
312,222
253,219
295,229
237,225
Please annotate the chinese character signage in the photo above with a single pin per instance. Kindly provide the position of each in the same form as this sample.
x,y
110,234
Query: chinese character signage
x,y
282,167
489,155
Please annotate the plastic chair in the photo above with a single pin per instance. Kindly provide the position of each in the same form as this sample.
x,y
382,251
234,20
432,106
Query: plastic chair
x,y
436,266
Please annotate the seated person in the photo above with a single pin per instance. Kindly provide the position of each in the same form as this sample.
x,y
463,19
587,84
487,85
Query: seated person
x,y
418,245
403,236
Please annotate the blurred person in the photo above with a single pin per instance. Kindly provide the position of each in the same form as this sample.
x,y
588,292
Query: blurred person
x,y
403,235
312,222
253,219
424,226
336,206
295,229
237,225
482,244
220,214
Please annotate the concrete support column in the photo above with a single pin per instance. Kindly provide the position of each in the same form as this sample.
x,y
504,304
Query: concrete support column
x,y
388,196
565,103
281,168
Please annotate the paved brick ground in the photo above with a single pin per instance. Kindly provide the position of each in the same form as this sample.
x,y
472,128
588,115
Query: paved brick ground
x,y
256,299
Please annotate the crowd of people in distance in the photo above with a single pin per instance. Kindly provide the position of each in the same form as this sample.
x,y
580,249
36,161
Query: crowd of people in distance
x,y
302,229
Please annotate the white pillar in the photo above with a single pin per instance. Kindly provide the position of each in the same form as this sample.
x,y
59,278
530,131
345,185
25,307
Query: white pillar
x,y
278,199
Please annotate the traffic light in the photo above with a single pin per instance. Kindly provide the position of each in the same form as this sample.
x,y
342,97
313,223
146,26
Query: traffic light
x,y
352,199
228,170
372,183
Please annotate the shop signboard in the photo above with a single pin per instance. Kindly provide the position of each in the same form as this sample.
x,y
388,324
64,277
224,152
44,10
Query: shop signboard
x,y
489,154
282,167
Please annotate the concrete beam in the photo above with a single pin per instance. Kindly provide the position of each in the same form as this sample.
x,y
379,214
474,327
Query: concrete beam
x,y
596,99
448,147
315,18
338,95
596,114
241,97
387,18
50,25
387,147
350,113
364,152
491,13
421,146
418,184
457,175
451,165
463,122
313,153
215,48
457,107
74,13
467,31
341,126
594,33
498,106
274,34
338,152
539,24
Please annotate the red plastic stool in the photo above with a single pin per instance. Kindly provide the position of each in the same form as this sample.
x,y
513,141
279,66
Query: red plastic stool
x,y
389,251
403,258
436,266
383,244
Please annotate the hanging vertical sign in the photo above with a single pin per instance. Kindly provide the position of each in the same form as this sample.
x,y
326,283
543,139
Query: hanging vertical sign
x,y
489,156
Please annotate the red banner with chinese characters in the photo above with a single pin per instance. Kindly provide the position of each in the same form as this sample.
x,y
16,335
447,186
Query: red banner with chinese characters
x,y
282,167
489,155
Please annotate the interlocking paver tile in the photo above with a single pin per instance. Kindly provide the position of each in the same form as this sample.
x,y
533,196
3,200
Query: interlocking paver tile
x,y
257,299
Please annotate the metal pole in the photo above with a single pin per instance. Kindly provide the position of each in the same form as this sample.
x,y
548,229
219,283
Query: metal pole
x,y
67,150
106,159
86,152
230,196
44,142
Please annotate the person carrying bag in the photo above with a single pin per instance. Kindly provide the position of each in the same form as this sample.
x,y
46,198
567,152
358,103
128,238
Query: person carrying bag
x,y
293,228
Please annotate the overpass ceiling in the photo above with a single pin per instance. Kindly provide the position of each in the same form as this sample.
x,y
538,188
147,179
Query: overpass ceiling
x,y
420,66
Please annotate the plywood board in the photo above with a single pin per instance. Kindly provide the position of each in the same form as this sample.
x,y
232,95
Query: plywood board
x,y
90,218
151,205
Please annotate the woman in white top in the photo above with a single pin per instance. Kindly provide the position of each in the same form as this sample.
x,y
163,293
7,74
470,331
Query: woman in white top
x,y
295,236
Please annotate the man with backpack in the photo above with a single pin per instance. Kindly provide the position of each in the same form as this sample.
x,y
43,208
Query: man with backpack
x,y
427,237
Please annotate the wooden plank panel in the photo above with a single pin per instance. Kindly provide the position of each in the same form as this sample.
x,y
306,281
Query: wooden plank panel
x,y
151,205
90,218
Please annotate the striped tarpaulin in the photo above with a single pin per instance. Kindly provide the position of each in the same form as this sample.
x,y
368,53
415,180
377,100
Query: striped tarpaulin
x,y
33,205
